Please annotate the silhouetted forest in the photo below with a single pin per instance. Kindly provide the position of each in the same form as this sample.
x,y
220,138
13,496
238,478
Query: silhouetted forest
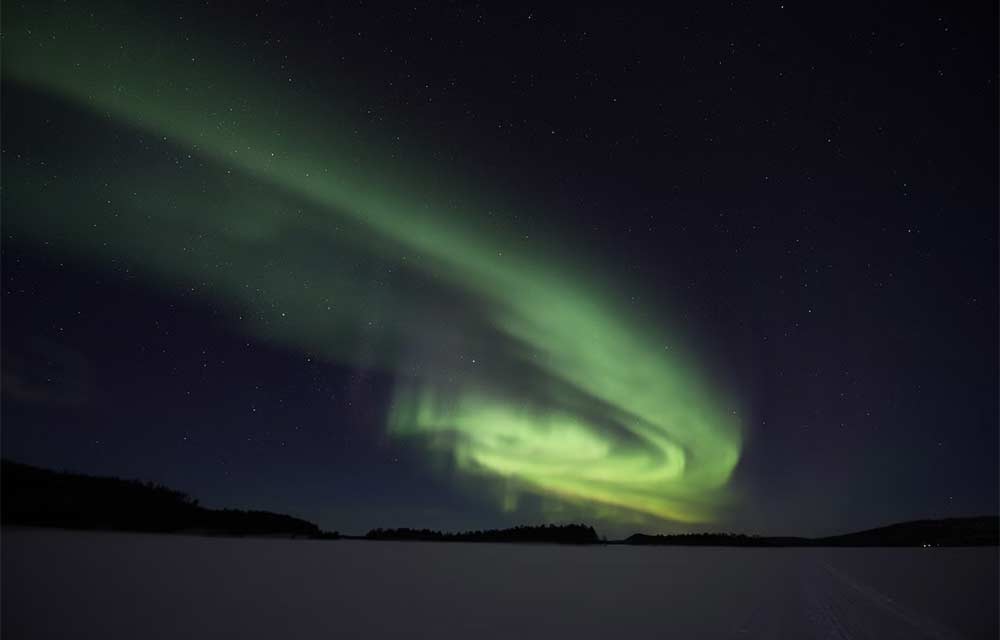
x,y
716,540
560,534
39,497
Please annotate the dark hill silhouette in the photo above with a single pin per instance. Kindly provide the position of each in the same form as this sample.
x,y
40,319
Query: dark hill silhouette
x,y
560,534
39,497
948,532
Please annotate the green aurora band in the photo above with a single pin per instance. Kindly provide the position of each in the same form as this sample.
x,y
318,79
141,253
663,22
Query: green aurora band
x,y
515,359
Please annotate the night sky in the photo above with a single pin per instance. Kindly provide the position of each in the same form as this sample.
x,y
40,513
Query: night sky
x,y
703,267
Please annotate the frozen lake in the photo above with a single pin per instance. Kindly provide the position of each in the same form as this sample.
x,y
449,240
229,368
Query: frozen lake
x,y
60,584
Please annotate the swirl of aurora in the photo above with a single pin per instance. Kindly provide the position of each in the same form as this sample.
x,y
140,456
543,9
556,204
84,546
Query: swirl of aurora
x,y
519,361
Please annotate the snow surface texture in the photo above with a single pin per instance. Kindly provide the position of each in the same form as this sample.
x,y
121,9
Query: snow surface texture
x,y
62,584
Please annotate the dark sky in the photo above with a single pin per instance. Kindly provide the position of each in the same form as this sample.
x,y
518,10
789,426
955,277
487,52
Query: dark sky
x,y
805,194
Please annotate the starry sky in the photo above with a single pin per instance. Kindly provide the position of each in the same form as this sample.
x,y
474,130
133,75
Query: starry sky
x,y
726,266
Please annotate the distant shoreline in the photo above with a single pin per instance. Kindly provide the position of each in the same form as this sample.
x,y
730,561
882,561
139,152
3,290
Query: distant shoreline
x,y
9,527
40,498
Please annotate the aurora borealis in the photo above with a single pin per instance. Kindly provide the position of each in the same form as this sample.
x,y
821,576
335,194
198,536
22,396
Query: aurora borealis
x,y
574,272
610,417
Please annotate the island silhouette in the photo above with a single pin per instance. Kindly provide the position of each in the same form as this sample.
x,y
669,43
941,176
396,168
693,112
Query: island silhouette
x,y
36,497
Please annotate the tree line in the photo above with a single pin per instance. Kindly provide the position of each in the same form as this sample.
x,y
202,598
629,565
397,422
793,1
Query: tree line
x,y
562,534
39,497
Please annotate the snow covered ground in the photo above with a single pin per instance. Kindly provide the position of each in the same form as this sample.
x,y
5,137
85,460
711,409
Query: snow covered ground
x,y
60,584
